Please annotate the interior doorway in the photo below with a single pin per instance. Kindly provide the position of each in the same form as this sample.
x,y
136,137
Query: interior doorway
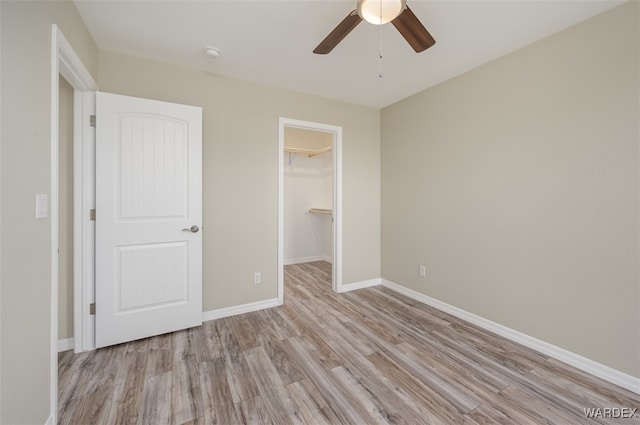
x,y
310,194
65,63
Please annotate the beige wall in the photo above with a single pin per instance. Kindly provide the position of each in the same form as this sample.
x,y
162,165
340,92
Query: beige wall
x,y
25,170
240,172
516,185
306,139
65,205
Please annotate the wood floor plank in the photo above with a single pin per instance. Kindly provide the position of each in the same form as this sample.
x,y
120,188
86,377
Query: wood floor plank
x,y
358,315
421,398
288,370
127,395
413,317
332,329
253,412
306,407
337,396
93,408
459,386
271,387
465,364
371,356
369,406
87,382
488,415
321,348
186,394
216,393
213,345
160,356
241,384
245,331
442,382
537,406
583,380
280,326
156,400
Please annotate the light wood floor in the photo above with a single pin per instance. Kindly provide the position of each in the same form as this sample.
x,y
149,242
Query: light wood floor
x,y
367,357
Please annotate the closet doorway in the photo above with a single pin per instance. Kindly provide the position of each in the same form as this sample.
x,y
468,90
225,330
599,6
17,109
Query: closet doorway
x,y
309,213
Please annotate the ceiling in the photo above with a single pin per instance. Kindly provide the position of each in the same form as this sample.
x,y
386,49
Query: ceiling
x,y
271,41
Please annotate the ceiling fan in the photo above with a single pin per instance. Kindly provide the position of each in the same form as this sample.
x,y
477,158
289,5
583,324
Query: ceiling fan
x,y
380,12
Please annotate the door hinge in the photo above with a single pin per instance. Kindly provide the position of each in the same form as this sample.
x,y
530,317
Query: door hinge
x,y
92,120
92,308
92,215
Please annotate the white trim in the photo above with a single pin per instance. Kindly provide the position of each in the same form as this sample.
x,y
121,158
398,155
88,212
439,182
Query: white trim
x,y
337,198
65,344
337,209
50,421
71,66
301,260
239,309
360,285
280,289
84,103
607,373
65,62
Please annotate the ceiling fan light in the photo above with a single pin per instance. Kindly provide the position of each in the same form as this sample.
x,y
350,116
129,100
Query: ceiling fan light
x,y
380,12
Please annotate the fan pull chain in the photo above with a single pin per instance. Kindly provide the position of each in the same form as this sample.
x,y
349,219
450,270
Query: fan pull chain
x,y
380,28
381,56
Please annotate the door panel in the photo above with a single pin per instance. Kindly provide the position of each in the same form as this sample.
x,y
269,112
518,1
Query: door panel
x,y
153,168
151,276
148,195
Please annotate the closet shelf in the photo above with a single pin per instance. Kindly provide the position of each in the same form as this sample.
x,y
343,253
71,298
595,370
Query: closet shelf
x,y
309,152
320,211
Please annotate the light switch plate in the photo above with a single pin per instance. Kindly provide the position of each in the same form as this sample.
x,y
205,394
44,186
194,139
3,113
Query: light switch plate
x,y
42,207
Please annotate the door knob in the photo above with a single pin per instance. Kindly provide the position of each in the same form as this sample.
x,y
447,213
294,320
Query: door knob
x,y
192,229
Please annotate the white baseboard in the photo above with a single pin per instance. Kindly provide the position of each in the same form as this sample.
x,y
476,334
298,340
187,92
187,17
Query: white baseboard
x,y
239,309
360,285
291,261
607,373
65,344
50,421
301,260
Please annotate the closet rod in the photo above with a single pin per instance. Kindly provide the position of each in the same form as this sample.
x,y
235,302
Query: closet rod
x,y
319,211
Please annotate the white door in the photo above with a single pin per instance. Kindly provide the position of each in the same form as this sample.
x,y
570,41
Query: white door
x,y
148,218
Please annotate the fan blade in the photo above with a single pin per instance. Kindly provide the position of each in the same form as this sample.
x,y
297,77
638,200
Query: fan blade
x,y
345,27
413,31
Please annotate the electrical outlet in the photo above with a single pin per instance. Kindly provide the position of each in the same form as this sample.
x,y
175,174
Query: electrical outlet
x,y
256,278
41,206
423,271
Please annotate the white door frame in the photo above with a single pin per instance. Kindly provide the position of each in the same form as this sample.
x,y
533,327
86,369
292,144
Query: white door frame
x,y
84,228
65,62
337,199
